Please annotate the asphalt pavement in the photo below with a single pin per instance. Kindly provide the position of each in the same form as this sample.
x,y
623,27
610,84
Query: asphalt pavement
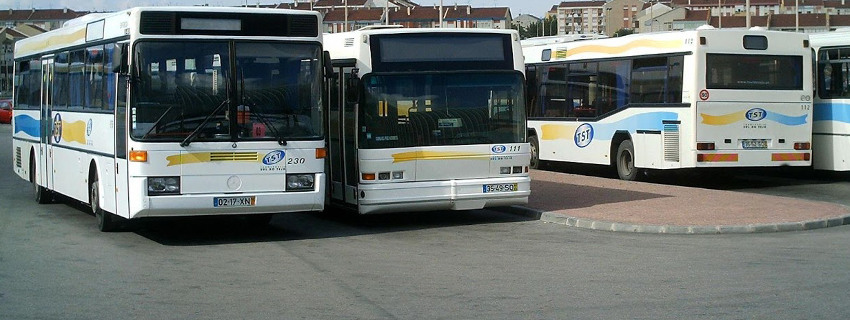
x,y
628,206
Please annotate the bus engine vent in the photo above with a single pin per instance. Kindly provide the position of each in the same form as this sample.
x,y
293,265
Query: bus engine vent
x,y
303,26
670,135
18,157
158,23
234,156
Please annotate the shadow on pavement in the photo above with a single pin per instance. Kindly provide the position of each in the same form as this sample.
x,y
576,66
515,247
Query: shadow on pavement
x,y
715,178
562,196
202,231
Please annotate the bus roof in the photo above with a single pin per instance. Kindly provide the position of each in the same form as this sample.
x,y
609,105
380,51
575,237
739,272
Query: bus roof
x,y
337,43
829,39
659,43
102,26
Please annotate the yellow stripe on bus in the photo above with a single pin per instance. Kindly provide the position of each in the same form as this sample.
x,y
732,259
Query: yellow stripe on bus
x,y
437,155
58,40
644,43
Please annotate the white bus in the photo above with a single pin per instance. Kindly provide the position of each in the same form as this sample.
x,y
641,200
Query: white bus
x,y
831,131
691,99
427,119
174,111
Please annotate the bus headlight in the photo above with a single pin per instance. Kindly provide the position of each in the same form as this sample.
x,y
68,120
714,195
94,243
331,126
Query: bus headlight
x,y
299,182
163,185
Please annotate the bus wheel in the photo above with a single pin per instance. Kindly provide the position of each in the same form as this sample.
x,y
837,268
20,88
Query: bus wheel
x,y
535,152
626,161
42,195
106,222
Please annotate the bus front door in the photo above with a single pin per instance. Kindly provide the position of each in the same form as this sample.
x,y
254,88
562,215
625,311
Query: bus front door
x,y
47,127
342,140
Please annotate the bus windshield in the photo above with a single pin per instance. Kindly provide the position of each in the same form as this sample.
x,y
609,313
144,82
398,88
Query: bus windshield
x,y
409,110
238,91
754,72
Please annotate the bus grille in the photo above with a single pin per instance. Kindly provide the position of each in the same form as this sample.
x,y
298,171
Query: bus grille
x,y
671,142
303,26
18,157
234,156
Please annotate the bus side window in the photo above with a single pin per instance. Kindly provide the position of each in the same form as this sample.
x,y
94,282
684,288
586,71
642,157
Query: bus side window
x,y
553,91
583,89
613,85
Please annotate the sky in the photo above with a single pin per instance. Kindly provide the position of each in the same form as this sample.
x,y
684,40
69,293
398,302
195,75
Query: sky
x,y
534,7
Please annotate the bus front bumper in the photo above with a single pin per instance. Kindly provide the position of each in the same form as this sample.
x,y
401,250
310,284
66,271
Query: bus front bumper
x,y
468,194
210,204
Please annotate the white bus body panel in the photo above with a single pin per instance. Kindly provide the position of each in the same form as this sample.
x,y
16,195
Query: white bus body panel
x,y
443,178
831,131
667,137
208,170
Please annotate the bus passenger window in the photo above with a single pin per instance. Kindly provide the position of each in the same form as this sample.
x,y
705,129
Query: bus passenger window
x,y
553,91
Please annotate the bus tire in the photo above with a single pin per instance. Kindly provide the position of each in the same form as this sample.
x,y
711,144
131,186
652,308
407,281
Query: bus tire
x,y
535,152
625,161
42,195
106,222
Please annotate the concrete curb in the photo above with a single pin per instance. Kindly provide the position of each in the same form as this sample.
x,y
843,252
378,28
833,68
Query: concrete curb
x,y
585,223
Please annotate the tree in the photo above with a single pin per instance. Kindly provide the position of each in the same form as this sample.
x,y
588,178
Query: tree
x,y
545,27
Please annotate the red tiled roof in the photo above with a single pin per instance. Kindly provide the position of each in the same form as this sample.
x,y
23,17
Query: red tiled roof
x,y
815,3
839,20
338,15
696,15
416,13
739,21
806,20
836,4
337,3
40,14
581,4
725,3
460,12
12,32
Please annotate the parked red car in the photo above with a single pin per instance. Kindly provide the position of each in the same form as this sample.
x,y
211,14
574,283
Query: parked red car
x,y
6,111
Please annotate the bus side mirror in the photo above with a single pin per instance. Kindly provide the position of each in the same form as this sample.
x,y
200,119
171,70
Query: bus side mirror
x,y
119,59
352,87
329,69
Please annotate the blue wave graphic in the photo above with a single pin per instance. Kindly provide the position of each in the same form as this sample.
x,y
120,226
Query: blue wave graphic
x,y
26,124
832,112
787,120
644,121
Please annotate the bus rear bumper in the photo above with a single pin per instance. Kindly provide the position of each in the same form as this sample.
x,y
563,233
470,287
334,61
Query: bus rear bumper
x,y
441,195
204,204
753,158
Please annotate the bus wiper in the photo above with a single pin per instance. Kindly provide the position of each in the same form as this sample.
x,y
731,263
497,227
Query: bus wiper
x,y
268,124
194,133
158,121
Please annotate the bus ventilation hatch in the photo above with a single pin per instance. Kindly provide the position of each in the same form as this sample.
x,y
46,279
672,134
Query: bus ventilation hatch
x,y
18,157
671,142
233,156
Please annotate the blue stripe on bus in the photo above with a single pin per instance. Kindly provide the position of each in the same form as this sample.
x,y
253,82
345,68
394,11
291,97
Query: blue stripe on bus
x,y
832,111
26,124
786,119
645,121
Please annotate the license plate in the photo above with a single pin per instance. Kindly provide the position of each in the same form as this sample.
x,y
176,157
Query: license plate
x,y
754,143
501,187
234,201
